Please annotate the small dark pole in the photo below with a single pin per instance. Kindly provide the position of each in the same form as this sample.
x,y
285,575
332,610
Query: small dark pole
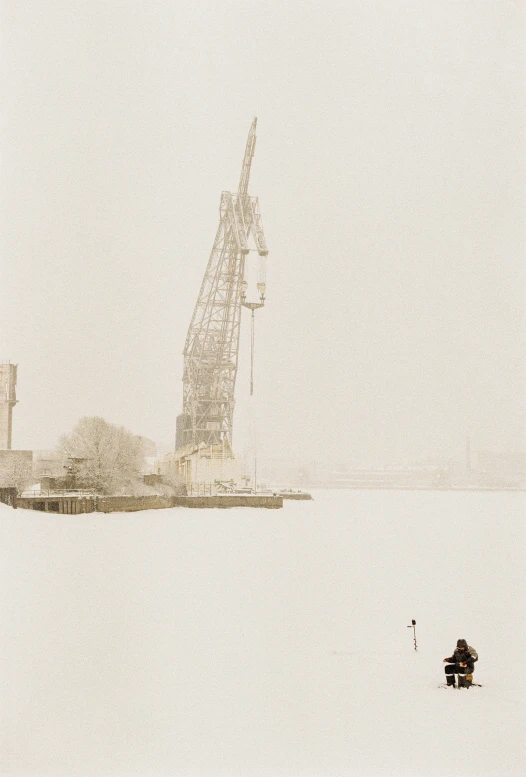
x,y
413,626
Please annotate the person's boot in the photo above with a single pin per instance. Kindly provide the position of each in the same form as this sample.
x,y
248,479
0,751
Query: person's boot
x,y
450,679
462,681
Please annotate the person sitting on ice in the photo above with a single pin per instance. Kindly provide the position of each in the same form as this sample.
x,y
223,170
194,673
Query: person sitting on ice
x,y
462,662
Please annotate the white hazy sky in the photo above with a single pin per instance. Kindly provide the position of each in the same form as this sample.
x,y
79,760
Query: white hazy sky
x,y
390,167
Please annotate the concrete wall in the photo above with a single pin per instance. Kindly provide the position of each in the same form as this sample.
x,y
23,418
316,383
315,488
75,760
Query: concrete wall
x,y
125,504
229,500
198,467
71,505
207,470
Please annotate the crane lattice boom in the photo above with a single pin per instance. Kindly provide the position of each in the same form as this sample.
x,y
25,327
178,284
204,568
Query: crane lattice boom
x,y
212,343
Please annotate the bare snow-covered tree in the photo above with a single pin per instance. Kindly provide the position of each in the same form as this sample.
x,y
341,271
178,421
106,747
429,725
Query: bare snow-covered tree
x,y
15,472
107,458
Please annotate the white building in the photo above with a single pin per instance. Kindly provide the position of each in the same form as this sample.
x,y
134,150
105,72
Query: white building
x,y
200,467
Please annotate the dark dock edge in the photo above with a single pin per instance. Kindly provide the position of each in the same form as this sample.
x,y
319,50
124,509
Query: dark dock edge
x,y
72,505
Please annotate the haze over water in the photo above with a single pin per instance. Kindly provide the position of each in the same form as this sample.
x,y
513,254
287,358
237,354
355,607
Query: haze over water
x,y
390,170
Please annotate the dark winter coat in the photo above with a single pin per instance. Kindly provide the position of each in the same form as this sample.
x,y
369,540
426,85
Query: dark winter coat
x,y
461,656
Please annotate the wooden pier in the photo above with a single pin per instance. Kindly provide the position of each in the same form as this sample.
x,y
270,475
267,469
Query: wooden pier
x,y
58,503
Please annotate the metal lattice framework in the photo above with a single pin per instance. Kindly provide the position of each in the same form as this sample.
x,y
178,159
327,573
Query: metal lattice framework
x,y
212,343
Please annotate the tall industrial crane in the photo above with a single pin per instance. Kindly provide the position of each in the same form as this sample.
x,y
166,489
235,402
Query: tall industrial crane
x,y
212,343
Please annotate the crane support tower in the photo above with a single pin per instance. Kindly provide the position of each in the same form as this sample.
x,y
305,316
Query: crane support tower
x,y
7,402
212,344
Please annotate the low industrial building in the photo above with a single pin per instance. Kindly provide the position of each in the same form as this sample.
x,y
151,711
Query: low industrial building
x,y
200,468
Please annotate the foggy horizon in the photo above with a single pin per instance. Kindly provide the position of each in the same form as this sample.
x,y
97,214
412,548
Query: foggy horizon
x,y
203,616
390,170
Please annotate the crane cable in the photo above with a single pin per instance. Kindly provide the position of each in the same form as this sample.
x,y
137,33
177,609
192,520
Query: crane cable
x,y
252,354
253,420
254,430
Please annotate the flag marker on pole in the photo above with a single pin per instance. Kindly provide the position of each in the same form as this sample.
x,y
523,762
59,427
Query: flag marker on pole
x,y
413,626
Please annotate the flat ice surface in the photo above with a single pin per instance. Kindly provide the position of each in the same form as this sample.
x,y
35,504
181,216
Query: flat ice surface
x,y
264,642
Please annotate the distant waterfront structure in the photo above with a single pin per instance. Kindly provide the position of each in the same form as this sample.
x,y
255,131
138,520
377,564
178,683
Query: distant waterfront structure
x,y
7,402
507,465
468,454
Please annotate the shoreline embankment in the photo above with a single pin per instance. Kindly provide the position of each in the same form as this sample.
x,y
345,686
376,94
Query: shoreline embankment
x,y
75,505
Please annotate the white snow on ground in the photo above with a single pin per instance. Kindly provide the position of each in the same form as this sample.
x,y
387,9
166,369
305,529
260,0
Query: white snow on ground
x,y
258,642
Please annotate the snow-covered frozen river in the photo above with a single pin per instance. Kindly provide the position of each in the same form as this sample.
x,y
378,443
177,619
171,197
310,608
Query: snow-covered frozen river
x,y
253,642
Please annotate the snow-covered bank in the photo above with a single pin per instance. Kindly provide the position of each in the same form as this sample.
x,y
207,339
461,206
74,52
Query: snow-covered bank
x,y
242,642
